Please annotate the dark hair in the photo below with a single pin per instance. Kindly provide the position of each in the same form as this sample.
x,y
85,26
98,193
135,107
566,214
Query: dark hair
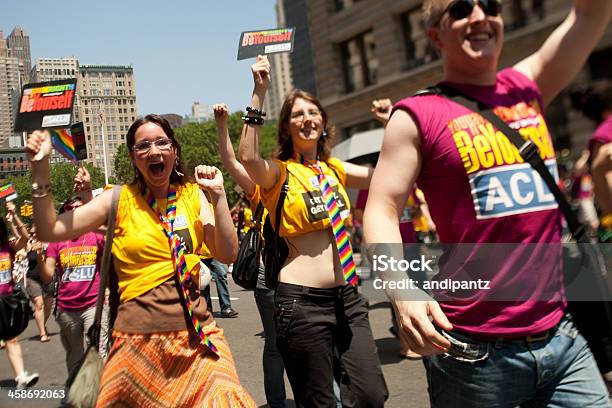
x,y
178,175
284,145
3,232
593,100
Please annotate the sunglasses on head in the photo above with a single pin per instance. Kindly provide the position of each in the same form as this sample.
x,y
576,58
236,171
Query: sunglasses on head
x,y
460,9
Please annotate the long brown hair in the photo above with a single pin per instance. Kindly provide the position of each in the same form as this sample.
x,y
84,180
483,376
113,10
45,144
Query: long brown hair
x,y
178,175
284,145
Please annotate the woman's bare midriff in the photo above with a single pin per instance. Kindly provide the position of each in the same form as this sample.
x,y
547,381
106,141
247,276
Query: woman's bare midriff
x,y
313,261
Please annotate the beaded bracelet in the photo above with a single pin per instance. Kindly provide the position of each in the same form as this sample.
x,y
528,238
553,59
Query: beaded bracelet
x,y
255,111
253,120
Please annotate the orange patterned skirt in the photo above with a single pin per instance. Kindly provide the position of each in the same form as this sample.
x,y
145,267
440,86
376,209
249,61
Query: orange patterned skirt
x,y
171,369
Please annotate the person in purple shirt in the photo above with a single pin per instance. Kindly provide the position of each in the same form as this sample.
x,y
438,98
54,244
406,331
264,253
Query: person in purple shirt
x,y
77,263
489,353
595,102
14,352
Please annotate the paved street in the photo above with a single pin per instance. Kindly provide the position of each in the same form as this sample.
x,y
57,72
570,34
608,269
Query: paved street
x,y
405,379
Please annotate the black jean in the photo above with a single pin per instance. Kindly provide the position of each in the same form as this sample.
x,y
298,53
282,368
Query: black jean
x,y
324,334
274,370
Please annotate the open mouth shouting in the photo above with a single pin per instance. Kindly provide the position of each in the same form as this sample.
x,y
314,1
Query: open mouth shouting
x,y
156,169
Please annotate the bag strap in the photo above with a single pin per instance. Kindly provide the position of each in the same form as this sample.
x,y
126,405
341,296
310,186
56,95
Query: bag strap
x,y
279,208
257,216
94,331
526,148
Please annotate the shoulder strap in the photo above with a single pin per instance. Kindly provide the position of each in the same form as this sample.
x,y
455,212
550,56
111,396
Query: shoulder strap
x,y
279,207
527,149
94,331
258,212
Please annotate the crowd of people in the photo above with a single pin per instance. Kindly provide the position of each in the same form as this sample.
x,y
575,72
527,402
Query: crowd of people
x,y
173,232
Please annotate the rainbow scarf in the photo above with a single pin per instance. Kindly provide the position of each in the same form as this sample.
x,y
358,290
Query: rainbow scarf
x,y
178,256
345,252
62,141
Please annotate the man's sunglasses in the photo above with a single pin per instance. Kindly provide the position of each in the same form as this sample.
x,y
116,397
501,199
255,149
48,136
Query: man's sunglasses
x,y
460,9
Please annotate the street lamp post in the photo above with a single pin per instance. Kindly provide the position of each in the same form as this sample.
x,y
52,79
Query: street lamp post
x,y
101,117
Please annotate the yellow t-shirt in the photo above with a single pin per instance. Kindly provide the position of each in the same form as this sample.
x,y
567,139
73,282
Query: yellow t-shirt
x,y
141,251
304,210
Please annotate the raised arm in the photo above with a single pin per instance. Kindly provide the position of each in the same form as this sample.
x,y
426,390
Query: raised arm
x,y
18,228
226,150
51,227
262,172
219,234
393,179
565,51
357,176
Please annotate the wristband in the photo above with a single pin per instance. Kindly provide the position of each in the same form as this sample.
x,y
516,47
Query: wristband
x,y
253,120
255,111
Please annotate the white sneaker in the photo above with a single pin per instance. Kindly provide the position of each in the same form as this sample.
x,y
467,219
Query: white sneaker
x,y
26,380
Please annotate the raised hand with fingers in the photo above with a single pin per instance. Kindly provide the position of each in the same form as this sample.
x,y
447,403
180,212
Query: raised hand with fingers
x,y
38,146
10,207
82,180
261,73
221,112
209,178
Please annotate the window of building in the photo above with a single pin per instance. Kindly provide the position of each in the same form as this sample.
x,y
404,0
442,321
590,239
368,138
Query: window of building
x,y
419,50
359,61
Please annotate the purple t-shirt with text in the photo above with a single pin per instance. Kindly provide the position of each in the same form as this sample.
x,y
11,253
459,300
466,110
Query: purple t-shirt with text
x,y
480,191
78,265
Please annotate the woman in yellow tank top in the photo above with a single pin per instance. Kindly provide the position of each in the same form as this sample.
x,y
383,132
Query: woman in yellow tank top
x,y
319,314
159,357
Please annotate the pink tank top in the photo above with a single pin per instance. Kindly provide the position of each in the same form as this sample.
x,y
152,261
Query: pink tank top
x,y
479,191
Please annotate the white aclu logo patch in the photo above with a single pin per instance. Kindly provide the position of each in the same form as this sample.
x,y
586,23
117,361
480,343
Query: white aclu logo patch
x,y
509,190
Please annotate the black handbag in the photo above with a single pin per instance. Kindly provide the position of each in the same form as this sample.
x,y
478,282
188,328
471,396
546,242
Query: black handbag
x,y
14,313
246,267
585,274
84,382
275,250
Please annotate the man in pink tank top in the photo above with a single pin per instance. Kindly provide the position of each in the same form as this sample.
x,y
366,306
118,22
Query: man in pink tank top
x,y
481,353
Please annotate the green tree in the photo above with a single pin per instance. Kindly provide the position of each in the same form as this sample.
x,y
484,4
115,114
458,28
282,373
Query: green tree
x,y
124,170
62,180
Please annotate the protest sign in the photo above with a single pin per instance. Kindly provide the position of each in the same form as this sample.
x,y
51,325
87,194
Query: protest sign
x,y
7,191
45,105
264,42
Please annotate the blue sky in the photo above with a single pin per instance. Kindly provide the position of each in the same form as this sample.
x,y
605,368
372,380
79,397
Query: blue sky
x,y
182,50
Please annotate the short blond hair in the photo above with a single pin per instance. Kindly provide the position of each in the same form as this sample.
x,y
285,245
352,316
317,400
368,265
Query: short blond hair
x,y
432,11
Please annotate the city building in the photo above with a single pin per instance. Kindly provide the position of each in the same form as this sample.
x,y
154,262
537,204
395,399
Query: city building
x,y
200,113
14,59
107,107
280,81
297,13
13,163
364,50
18,44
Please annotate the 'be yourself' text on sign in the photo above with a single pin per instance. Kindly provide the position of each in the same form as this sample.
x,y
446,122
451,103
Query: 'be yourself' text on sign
x,y
263,42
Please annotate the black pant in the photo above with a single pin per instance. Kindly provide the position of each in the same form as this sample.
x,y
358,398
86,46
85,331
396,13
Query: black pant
x,y
323,333
274,371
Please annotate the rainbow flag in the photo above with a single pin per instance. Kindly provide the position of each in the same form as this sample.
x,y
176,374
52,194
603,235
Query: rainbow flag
x,y
63,143
7,191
